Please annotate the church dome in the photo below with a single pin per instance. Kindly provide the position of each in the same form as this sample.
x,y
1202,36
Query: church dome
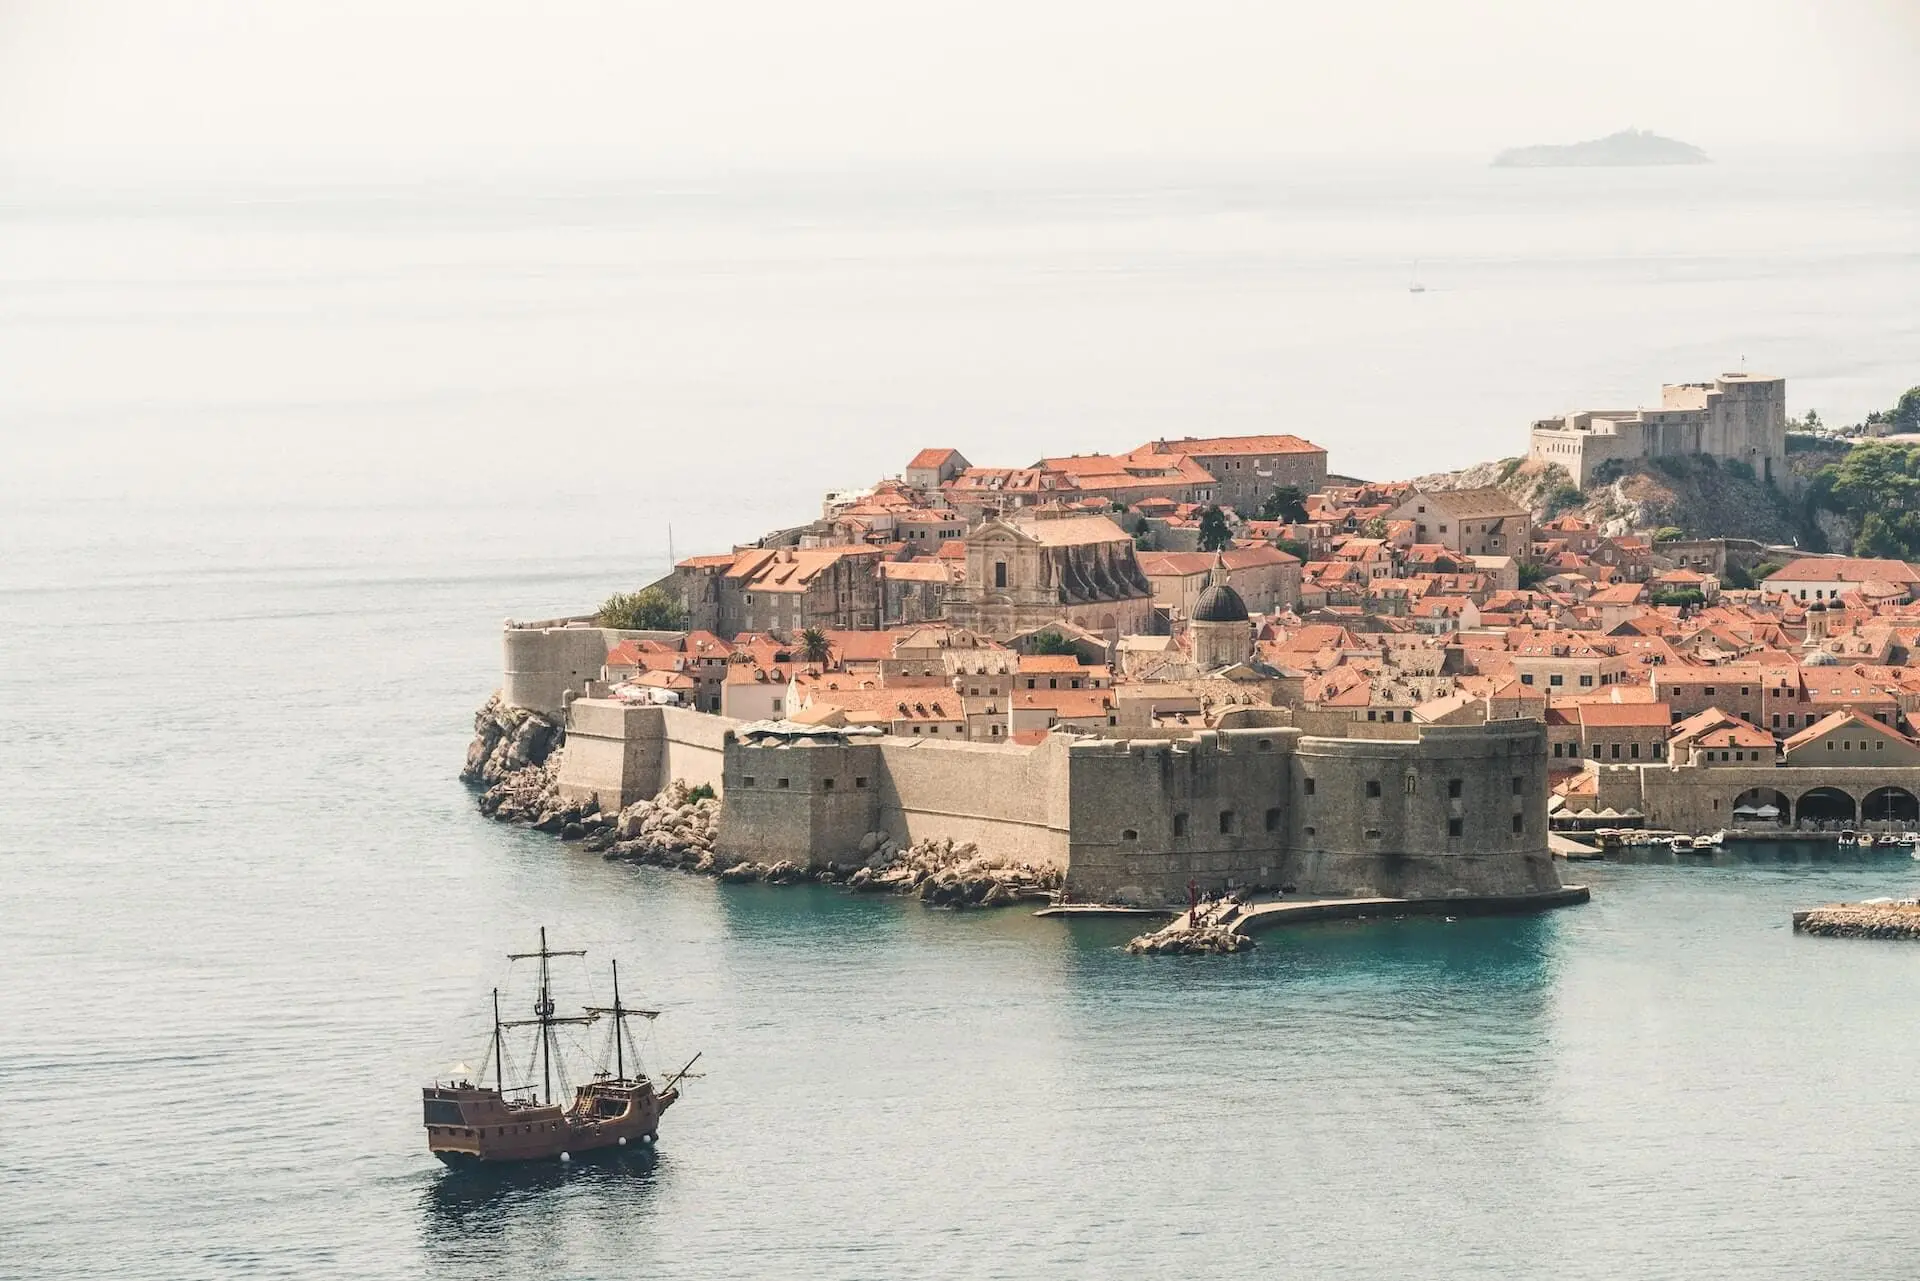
x,y
1219,604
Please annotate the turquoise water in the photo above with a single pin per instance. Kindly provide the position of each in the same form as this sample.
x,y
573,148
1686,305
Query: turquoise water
x,y
246,909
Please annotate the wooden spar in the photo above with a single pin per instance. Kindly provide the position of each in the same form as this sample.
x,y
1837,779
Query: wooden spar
x,y
676,1078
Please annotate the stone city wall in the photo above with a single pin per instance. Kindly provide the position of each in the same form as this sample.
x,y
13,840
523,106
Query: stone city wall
x,y
1148,817
618,753
544,660
1461,810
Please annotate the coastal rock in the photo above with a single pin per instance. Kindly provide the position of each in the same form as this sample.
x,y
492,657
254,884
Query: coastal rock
x,y
506,740
741,872
1205,940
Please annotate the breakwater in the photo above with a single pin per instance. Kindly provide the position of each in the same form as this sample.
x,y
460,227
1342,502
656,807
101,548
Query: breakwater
x,y
1890,920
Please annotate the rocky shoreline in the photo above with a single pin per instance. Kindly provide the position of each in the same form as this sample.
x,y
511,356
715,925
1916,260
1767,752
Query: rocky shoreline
x,y
1860,921
515,758
1202,940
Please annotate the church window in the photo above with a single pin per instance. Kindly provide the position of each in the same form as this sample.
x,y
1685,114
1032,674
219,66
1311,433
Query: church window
x,y
1373,788
999,574
1454,788
1309,788
1226,822
1519,823
1273,820
1179,824
1517,785
1454,826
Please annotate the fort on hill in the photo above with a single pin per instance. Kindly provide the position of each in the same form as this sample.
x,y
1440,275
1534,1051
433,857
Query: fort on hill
x,y
1738,417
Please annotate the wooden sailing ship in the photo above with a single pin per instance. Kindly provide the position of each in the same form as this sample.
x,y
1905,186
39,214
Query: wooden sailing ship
x,y
471,1121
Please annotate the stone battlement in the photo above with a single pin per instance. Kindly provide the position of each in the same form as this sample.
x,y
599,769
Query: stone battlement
x,y
1457,810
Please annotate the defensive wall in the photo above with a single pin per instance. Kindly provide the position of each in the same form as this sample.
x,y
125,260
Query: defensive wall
x,y
544,660
618,753
816,800
1459,810
1700,798
1455,811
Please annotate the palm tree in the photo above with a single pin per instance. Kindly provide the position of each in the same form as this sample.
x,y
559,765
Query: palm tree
x,y
815,647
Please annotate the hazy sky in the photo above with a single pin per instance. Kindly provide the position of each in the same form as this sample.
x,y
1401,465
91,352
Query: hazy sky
x,y
295,82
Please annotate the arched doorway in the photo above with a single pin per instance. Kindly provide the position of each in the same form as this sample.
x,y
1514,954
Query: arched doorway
x,y
1760,806
1890,804
1825,805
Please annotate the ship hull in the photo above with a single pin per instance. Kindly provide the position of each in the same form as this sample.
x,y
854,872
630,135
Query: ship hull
x,y
477,1127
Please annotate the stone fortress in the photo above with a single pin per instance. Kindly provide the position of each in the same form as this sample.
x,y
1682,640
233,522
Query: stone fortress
x,y
1738,417
1419,812
1454,811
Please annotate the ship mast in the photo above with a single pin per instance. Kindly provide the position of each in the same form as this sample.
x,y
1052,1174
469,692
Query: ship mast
x,y
499,1072
543,1008
620,1015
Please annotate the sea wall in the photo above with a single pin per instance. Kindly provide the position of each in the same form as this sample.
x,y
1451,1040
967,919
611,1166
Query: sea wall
x,y
618,753
817,801
545,660
1459,811
1150,817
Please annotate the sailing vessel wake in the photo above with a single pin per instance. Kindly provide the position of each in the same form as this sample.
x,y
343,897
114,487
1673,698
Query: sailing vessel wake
x,y
469,1122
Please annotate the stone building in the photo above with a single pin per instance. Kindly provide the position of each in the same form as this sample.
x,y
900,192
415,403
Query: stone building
x,y
1039,567
782,589
931,468
1738,417
1469,522
1220,632
1246,469
1266,578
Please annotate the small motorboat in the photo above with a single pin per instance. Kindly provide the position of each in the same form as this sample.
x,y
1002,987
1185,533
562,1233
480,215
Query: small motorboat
x,y
1682,844
1849,837
1885,841
1910,839
1712,842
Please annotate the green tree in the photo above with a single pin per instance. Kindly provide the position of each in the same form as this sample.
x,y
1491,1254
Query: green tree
x,y
815,647
1878,485
1682,598
1906,411
647,610
1737,577
1215,534
1051,643
1375,528
1296,549
1285,503
1532,574
1669,534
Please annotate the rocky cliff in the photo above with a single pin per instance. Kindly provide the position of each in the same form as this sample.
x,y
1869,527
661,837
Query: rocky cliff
x,y
1703,497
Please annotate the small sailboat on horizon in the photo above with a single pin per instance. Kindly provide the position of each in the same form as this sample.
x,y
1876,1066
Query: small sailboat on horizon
x,y
1415,286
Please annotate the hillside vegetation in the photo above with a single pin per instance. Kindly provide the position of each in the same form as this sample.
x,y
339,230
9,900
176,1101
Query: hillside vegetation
x,y
1701,496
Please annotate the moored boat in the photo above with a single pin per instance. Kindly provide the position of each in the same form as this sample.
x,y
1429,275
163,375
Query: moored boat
x,y
1682,844
470,1121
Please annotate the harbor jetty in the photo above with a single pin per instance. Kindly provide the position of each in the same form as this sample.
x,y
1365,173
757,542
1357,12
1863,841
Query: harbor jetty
x,y
1884,919
1198,930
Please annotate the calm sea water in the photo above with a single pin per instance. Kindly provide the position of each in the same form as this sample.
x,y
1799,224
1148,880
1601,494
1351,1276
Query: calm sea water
x,y
276,464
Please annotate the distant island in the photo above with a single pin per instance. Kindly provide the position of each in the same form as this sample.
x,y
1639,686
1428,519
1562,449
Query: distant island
x,y
1628,147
